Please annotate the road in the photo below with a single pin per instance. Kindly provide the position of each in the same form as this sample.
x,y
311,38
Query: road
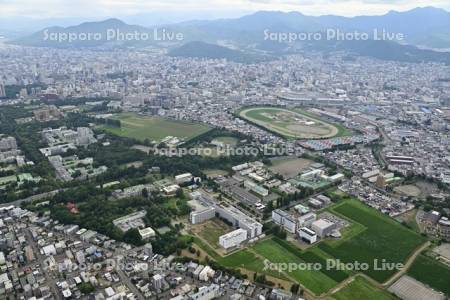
x,y
40,259
32,198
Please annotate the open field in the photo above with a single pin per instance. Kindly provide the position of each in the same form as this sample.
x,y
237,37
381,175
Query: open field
x,y
289,123
155,128
383,239
211,230
314,256
314,280
408,190
420,189
431,272
409,218
289,167
243,259
226,140
361,288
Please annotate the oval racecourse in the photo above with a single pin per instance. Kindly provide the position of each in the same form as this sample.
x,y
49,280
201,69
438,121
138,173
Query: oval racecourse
x,y
289,123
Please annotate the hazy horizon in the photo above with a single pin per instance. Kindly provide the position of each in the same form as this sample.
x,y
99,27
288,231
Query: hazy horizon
x,y
176,11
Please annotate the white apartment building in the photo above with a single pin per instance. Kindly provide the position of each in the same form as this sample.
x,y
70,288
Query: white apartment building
x,y
203,215
233,239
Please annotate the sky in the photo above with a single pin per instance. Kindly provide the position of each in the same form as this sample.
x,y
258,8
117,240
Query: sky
x,y
202,9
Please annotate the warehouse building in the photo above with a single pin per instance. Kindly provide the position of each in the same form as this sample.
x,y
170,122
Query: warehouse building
x,y
323,227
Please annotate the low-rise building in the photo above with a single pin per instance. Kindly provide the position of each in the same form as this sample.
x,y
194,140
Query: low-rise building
x,y
323,227
307,235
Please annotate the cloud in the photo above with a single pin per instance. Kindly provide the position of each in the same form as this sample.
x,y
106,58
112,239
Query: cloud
x,y
103,8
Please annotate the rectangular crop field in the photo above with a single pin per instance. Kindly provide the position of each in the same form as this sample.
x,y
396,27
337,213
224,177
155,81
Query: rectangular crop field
x,y
314,280
383,239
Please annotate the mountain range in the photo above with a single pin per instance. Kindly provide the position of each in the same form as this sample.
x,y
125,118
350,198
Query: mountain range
x,y
426,27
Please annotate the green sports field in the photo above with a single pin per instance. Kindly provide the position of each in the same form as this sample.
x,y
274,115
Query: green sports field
x,y
361,288
383,238
155,128
295,124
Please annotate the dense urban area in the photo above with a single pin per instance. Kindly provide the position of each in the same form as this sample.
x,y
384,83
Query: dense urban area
x,y
132,174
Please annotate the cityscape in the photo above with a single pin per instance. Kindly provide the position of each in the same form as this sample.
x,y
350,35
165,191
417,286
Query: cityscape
x,y
194,159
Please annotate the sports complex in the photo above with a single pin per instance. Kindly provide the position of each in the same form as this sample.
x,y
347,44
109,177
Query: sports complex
x,y
291,124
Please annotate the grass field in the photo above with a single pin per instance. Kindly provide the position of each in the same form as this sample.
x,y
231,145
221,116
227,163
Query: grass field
x,y
155,128
409,218
383,238
371,236
361,288
432,273
211,230
290,123
226,140
244,259
316,281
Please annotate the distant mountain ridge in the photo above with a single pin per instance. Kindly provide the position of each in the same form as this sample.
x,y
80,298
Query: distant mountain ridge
x,y
427,27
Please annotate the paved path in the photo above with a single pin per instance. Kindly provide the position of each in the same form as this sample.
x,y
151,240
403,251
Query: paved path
x,y
408,264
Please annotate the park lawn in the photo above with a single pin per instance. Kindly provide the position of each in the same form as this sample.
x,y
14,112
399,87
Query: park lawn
x,y
361,288
431,272
383,238
316,281
155,128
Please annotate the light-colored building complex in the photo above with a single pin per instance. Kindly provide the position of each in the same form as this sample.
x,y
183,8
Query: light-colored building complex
x,y
323,227
183,178
233,239
206,293
307,220
147,233
284,219
203,215
307,235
